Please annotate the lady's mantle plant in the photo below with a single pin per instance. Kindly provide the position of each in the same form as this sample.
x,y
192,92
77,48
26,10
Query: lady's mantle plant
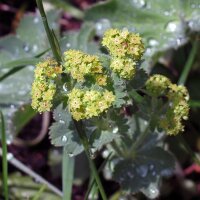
x,y
120,107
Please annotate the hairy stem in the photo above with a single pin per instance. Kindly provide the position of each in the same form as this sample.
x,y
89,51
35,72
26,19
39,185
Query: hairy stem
x,y
84,140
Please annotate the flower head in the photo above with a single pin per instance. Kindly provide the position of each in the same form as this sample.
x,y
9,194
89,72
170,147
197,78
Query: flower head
x,y
123,44
124,67
84,104
43,88
157,85
79,64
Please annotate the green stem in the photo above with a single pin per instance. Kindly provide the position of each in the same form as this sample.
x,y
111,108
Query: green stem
x,y
194,103
4,157
141,138
92,182
39,193
136,96
188,149
116,148
50,36
188,65
80,129
67,176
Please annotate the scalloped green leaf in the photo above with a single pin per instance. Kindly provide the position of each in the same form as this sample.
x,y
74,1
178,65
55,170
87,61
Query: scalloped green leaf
x,y
81,40
62,132
162,25
139,173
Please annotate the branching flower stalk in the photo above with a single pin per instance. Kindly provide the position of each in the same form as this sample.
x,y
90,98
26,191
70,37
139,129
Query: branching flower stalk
x,y
94,90
78,125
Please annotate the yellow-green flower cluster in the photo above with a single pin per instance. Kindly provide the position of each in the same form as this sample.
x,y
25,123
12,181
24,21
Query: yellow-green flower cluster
x,y
126,48
123,44
157,85
124,67
43,88
84,104
79,64
178,97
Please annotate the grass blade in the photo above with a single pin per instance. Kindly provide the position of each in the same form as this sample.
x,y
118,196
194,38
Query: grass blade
x,y
67,176
4,156
55,52
188,65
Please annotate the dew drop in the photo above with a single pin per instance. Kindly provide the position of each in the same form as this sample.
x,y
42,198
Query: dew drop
x,y
101,26
65,87
35,48
68,45
153,173
139,3
166,13
10,156
36,20
153,191
105,153
153,42
107,173
64,138
142,170
166,172
115,130
92,153
26,47
71,155
12,106
9,140
61,121
130,175
171,26
151,167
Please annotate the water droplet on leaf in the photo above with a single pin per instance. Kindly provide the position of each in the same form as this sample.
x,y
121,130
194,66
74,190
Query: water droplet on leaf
x,y
68,45
142,170
151,167
171,26
115,130
61,121
10,156
139,3
130,175
65,87
26,47
153,42
71,154
36,20
101,26
35,48
105,153
153,191
64,138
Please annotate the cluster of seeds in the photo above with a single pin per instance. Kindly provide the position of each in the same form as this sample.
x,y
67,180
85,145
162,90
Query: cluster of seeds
x,y
84,104
171,122
43,87
80,65
126,48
